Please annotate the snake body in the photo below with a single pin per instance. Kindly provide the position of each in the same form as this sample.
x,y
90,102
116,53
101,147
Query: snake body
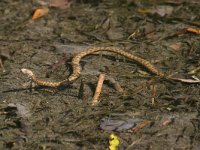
x,y
77,69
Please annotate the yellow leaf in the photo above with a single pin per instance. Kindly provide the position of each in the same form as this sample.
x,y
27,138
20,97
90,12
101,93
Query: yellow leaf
x,y
114,142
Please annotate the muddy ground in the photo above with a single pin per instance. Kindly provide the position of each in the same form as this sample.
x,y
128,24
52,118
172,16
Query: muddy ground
x,y
43,118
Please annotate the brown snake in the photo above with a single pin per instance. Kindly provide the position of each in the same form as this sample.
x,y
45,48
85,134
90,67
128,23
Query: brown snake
x,y
77,69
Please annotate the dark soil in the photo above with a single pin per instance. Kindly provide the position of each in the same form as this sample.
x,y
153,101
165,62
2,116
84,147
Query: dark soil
x,y
43,118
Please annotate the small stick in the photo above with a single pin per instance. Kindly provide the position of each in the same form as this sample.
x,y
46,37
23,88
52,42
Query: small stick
x,y
154,93
115,84
1,65
167,121
194,71
97,93
134,143
140,126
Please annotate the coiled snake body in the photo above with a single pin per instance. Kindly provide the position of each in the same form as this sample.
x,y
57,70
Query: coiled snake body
x,y
77,69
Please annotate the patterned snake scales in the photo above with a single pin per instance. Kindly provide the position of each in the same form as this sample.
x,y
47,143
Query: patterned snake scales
x,y
77,69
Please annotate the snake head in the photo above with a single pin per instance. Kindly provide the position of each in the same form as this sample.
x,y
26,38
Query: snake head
x,y
27,72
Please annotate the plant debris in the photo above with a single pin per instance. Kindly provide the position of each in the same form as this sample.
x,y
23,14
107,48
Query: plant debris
x,y
118,123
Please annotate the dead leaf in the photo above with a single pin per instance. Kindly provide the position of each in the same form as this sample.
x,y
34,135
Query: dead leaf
x,y
60,3
40,12
167,121
178,2
63,4
159,10
192,30
143,10
162,10
176,46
